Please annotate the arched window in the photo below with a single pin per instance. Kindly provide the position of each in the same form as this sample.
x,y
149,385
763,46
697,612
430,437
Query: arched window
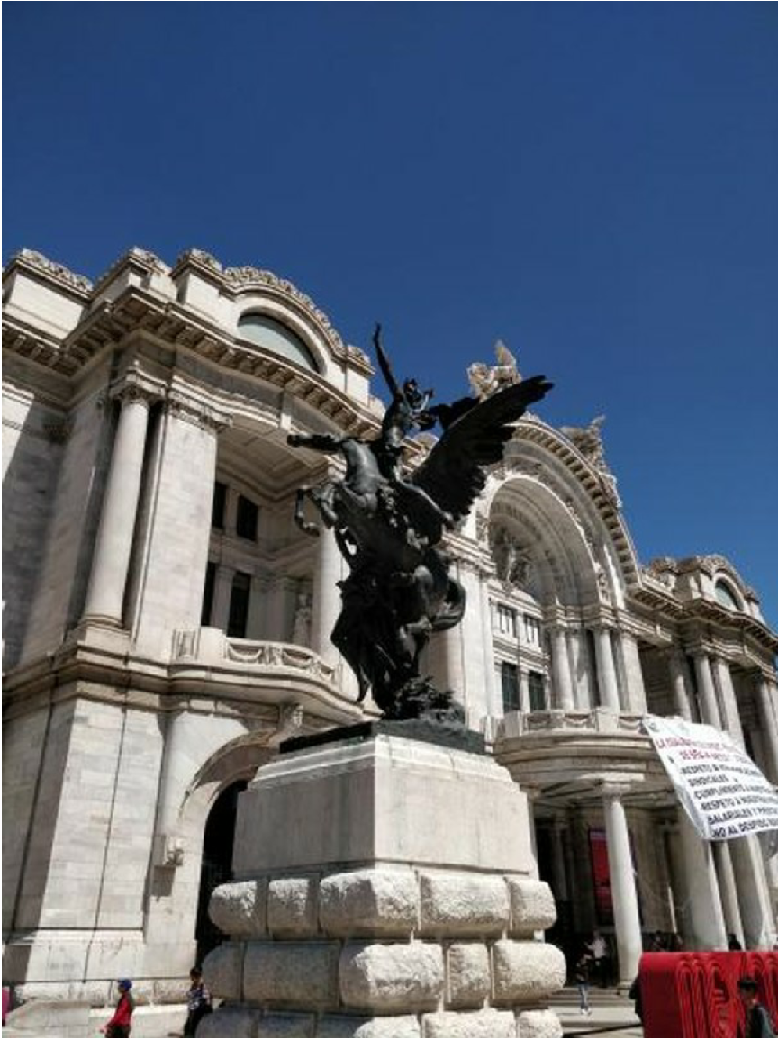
x,y
271,335
726,596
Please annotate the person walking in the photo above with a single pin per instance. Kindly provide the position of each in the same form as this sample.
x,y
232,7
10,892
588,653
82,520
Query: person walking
x,y
582,982
758,1021
599,950
198,1002
121,1022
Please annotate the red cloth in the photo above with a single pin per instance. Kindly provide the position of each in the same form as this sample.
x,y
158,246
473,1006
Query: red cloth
x,y
123,1014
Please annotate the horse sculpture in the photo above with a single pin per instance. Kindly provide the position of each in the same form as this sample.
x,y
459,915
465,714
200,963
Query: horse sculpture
x,y
388,526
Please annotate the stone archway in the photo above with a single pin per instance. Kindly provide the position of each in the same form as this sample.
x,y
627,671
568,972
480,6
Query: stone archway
x,y
216,866
174,891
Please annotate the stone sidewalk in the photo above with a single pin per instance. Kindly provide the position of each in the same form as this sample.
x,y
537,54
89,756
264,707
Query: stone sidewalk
x,y
612,1015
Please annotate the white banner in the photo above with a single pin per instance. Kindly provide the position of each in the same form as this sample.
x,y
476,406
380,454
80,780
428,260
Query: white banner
x,y
723,792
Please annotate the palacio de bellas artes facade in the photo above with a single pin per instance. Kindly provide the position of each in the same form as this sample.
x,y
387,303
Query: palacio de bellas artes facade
x,y
166,626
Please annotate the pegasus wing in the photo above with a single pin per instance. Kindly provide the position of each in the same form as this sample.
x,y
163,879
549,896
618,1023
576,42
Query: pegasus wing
x,y
453,475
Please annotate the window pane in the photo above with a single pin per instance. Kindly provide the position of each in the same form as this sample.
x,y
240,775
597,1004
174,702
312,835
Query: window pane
x,y
239,605
248,518
219,499
510,687
537,692
210,578
506,620
273,336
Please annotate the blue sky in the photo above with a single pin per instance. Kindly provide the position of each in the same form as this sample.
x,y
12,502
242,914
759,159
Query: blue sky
x,y
594,183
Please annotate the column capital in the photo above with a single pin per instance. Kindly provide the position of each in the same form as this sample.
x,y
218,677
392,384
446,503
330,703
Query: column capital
x,y
614,789
137,386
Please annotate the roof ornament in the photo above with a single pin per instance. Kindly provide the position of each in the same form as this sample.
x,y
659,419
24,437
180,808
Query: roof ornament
x,y
486,380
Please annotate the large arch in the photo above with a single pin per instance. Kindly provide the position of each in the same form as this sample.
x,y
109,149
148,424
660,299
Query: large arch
x,y
176,870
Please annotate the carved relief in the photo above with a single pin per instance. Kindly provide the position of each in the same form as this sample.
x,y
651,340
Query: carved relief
x,y
513,563
303,615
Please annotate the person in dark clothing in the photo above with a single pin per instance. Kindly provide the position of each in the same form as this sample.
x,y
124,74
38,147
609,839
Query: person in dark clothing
x,y
198,1002
758,1021
733,943
582,981
635,994
120,1023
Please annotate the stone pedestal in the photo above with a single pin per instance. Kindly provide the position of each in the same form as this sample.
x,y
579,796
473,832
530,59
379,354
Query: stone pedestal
x,y
383,888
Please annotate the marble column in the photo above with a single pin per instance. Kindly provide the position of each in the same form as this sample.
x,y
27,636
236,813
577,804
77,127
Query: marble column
x,y
708,701
681,700
727,889
560,864
326,596
524,688
731,714
111,563
491,693
707,925
606,671
222,597
753,894
766,697
624,893
256,624
581,670
560,664
633,670
532,797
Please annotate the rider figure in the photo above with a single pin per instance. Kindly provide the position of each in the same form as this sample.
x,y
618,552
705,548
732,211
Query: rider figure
x,y
407,410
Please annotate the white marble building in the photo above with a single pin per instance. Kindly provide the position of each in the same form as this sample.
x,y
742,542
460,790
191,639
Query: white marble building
x,y
166,626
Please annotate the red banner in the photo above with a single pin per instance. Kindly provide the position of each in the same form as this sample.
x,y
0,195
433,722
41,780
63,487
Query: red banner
x,y
695,994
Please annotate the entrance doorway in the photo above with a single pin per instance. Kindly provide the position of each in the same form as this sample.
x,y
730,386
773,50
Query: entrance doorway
x,y
217,863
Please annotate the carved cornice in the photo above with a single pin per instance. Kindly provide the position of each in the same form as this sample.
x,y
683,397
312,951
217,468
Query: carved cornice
x,y
246,279
32,260
143,258
197,412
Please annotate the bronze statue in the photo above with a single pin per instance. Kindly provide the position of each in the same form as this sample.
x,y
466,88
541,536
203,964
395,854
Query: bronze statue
x,y
388,525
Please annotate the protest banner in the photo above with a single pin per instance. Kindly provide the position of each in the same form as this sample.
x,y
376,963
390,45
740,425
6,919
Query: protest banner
x,y
722,790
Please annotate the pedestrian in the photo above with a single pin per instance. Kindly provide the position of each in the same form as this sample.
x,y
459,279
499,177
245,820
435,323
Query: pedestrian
x,y
582,981
758,1021
198,1002
599,956
120,1023
636,995
733,943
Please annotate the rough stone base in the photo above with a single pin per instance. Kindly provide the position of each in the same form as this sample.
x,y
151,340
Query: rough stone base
x,y
388,933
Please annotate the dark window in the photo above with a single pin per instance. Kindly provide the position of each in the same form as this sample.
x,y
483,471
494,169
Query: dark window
x,y
510,687
749,743
248,519
537,692
694,698
210,580
239,605
596,698
219,500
